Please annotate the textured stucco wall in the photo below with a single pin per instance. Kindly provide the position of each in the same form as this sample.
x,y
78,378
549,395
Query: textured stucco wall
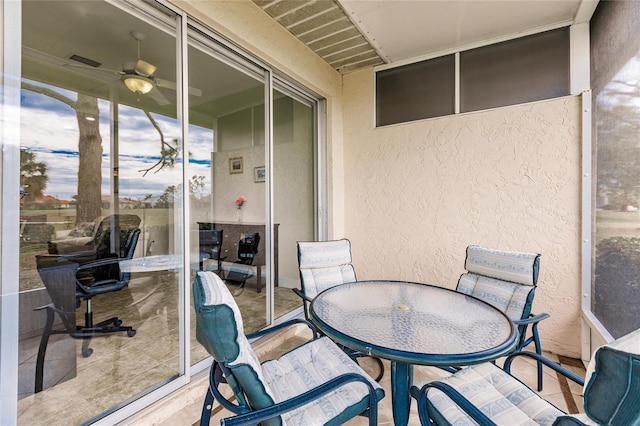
x,y
417,194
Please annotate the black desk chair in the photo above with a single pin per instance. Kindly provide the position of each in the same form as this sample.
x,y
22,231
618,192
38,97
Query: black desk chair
x,y
58,277
209,246
242,269
99,272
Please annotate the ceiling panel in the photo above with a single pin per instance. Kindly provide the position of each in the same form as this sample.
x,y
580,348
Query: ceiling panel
x,y
352,34
326,29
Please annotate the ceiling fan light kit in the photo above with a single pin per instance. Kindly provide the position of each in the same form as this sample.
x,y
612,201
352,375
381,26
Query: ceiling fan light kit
x,y
138,84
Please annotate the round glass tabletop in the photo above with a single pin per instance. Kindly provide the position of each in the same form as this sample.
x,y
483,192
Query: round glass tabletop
x,y
411,322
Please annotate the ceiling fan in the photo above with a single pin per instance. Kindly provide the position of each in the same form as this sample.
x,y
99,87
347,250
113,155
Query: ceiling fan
x,y
138,76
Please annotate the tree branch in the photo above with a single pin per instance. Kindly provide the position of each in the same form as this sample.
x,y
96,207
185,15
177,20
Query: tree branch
x,y
168,153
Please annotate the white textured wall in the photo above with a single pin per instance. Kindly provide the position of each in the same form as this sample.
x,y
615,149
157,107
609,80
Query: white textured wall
x,y
417,194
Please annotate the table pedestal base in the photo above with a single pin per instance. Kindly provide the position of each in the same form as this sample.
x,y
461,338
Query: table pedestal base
x,y
401,381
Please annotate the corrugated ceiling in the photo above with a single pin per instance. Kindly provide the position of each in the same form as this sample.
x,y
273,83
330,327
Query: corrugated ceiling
x,y
326,29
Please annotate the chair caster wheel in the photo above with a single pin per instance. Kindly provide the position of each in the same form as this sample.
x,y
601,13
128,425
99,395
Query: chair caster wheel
x,y
131,333
87,352
118,323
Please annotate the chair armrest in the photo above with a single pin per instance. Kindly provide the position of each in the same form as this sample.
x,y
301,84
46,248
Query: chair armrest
x,y
533,319
302,295
99,262
463,403
51,307
283,325
558,368
254,417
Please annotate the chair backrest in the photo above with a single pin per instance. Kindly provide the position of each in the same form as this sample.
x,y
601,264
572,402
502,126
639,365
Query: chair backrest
x,y
129,235
220,330
248,248
127,225
505,279
612,383
209,241
324,264
58,277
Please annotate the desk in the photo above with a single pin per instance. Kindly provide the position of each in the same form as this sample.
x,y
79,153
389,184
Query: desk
x,y
232,231
162,262
410,323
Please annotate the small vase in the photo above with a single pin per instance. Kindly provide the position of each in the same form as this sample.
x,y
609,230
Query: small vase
x,y
239,215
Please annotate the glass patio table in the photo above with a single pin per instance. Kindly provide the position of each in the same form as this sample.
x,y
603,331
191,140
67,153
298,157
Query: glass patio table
x,y
412,323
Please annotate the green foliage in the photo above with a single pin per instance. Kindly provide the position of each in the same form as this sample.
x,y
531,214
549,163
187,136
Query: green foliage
x,y
33,175
616,295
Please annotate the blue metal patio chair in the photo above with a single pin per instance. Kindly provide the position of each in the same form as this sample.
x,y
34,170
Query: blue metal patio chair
x,y
316,383
322,265
486,395
506,280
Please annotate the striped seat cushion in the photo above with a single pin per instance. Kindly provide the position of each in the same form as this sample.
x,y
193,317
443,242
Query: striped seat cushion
x,y
505,279
509,297
517,267
504,399
309,366
220,330
324,264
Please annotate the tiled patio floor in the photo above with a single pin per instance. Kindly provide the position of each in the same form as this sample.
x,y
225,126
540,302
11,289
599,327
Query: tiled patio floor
x,y
184,408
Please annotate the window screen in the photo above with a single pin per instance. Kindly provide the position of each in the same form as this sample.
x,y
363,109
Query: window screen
x,y
516,71
412,92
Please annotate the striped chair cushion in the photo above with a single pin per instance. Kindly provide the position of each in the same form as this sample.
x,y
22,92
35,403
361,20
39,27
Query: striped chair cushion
x,y
308,366
324,264
510,298
517,267
504,399
220,330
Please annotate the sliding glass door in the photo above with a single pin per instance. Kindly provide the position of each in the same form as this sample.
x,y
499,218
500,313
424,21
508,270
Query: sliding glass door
x,y
101,166
293,190
227,147
129,186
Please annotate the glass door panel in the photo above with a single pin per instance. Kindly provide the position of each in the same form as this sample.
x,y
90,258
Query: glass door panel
x,y
293,182
226,149
100,171
615,297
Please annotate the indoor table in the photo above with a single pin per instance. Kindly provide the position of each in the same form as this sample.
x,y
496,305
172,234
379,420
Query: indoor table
x,y
161,262
412,323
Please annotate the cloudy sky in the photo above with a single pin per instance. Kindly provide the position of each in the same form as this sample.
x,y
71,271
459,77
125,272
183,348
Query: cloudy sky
x,y
50,130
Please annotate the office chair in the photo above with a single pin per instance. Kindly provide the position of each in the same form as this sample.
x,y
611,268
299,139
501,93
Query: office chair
x,y
242,269
99,272
209,246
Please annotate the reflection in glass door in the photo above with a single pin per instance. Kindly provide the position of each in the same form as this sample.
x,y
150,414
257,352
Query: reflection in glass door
x,y
294,197
99,218
227,200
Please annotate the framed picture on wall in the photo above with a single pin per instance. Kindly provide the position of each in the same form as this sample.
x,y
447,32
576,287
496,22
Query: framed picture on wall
x,y
235,165
258,174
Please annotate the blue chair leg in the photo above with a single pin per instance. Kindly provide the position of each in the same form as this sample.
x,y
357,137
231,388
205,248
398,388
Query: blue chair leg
x,y
536,342
207,405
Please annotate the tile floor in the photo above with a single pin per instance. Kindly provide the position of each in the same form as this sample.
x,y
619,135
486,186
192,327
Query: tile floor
x,y
121,367
184,407
127,366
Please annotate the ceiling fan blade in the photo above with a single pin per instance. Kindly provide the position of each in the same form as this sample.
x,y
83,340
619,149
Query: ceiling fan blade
x,y
193,91
145,68
157,96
